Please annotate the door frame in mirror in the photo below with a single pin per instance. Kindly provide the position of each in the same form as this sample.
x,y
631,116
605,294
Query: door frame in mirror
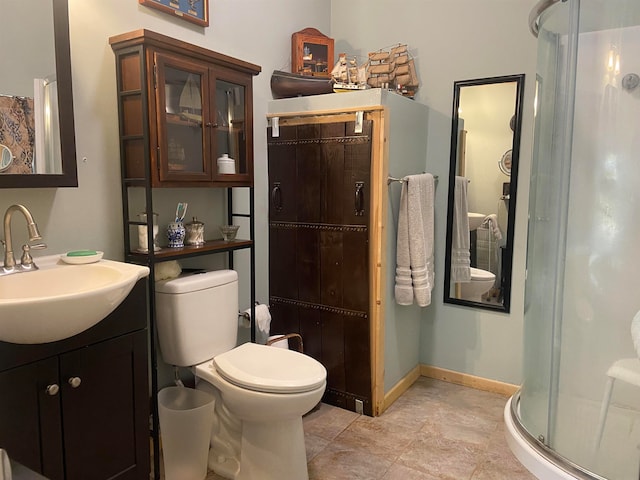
x,y
69,175
453,171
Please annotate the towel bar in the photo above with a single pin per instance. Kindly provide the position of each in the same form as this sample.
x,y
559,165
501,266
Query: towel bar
x,y
391,179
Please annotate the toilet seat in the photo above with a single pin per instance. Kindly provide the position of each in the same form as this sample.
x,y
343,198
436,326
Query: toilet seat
x,y
479,275
271,370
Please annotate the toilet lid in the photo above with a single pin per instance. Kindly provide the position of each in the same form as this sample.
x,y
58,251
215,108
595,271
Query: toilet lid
x,y
479,274
270,369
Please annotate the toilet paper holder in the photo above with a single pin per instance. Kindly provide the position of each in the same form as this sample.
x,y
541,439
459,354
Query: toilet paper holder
x,y
246,315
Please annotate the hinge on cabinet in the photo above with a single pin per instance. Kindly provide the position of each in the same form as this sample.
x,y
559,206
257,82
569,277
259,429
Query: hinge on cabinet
x,y
359,119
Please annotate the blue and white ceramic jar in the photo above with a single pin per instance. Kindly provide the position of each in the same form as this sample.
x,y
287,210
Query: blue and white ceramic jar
x,y
175,234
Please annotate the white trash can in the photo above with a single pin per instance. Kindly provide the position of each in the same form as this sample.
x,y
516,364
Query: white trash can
x,y
186,418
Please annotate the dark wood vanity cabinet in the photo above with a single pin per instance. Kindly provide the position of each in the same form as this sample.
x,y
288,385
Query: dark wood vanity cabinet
x,y
319,176
78,409
182,107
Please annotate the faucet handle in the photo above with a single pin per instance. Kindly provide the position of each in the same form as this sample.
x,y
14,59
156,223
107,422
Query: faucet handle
x,y
26,260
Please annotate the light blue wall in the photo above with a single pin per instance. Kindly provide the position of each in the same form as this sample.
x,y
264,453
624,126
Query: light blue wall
x,y
490,38
256,31
456,40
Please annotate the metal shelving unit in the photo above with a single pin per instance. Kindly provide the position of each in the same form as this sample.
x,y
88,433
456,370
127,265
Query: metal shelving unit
x,y
144,62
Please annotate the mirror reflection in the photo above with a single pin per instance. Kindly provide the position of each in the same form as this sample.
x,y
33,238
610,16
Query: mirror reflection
x,y
36,112
485,142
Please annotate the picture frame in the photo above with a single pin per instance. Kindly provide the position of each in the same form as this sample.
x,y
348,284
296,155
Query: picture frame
x,y
194,11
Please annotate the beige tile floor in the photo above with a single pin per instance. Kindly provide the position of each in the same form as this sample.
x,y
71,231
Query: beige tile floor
x,y
435,430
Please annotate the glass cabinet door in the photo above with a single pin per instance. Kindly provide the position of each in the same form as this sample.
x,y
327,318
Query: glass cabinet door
x,y
233,127
183,118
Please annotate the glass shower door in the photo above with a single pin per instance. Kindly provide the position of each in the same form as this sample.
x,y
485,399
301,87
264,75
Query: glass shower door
x,y
583,255
547,230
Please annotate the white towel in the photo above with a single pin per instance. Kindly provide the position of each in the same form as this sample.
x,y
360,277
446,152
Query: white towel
x,y
5,465
635,332
403,287
414,257
491,221
460,243
263,322
167,270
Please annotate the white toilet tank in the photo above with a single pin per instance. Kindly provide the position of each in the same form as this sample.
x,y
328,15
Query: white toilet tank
x,y
197,316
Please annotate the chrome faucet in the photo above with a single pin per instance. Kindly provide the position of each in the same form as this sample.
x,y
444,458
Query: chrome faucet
x,y
26,263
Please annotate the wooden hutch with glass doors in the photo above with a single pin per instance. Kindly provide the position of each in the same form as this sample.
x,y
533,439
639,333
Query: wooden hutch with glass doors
x,y
181,108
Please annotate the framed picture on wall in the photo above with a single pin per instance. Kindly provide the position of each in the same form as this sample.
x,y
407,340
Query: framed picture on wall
x,y
194,11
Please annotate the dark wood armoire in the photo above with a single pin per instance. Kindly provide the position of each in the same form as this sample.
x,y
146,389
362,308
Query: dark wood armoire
x,y
319,180
332,237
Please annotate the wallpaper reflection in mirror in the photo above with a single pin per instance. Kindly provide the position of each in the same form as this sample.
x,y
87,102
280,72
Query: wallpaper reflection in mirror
x,y
37,135
484,156
24,119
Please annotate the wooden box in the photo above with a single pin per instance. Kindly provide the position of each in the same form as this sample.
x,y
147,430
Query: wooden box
x,y
311,53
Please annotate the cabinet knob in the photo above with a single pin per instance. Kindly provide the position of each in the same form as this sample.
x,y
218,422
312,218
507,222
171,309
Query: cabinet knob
x,y
75,382
211,125
52,389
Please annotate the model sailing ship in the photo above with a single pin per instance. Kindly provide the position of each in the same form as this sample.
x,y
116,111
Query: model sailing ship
x,y
348,76
394,70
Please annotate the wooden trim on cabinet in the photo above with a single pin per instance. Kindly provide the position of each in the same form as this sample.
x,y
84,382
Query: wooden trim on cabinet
x,y
323,116
168,44
377,250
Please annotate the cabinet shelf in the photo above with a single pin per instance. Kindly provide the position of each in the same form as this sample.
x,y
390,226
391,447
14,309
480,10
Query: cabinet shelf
x,y
209,247
176,119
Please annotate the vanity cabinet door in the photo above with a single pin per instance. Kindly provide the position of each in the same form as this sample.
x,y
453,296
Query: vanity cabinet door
x,y
30,422
105,409
82,415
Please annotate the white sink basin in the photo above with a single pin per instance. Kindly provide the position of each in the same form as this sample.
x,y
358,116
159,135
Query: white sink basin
x,y
60,300
475,220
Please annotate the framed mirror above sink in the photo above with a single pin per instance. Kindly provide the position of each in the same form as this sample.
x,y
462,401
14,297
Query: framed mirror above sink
x,y
485,147
37,134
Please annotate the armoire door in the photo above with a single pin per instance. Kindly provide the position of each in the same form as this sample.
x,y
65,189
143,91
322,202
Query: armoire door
x,y
319,175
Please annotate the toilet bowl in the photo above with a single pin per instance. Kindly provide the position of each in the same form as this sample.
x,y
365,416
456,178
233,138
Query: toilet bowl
x,y
481,282
261,392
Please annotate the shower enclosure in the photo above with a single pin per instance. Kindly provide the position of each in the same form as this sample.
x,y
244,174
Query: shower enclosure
x,y
583,259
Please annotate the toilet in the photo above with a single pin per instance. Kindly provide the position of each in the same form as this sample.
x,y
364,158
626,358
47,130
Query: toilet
x,y
260,392
481,282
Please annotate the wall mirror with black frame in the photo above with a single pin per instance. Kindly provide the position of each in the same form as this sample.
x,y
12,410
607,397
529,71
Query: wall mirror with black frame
x,y
485,146
37,135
